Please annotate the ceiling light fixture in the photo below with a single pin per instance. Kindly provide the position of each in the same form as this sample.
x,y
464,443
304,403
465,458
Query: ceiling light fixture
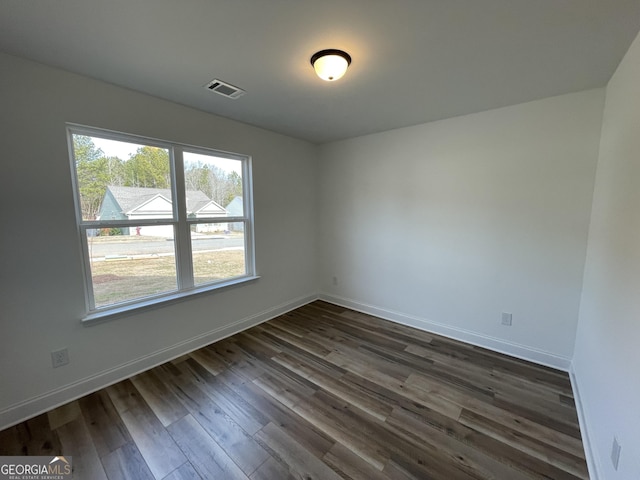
x,y
330,65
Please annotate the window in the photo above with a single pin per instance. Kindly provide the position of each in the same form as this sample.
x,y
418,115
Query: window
x,y
158,220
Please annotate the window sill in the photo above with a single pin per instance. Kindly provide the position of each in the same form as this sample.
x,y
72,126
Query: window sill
x,y
112,313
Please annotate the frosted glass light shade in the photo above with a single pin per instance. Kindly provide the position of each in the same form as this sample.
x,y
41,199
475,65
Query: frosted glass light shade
x,y
330,65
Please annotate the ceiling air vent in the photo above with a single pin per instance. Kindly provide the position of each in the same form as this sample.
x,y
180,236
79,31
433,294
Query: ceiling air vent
x,y
224,89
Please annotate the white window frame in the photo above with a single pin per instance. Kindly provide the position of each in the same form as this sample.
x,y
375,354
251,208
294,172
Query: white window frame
x,y
180,221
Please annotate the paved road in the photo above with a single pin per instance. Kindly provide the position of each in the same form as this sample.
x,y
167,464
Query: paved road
x,y
102,249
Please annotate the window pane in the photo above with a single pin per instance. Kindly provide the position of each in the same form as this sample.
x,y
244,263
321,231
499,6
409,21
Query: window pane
x,y
121,180
218,251
214,186
130,263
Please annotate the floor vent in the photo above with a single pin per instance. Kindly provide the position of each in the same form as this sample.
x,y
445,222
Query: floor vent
x,y
224,89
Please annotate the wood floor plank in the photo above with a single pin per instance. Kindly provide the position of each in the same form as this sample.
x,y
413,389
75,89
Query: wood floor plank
x,y
180,359
306,358
282,390
538,374
209,360
386,398
32,437
161,400
105,426
301,463
235,442
363,335
474,453
63,414
315,348
569,462
361,366
398,332
386,443
523,425
235,359
287,322
505,378
206,456
10,444
322,418
185,472
438,398
438,357
126,463
234,405
555,422
452,380
417,465
331,385
350,465
155,444
77,443
300,429
393,471
272,469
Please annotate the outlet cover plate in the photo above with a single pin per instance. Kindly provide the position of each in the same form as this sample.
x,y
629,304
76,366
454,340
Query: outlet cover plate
x,y
59,357
507,318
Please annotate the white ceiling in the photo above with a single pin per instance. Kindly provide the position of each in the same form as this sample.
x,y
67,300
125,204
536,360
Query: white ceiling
x,y
414,61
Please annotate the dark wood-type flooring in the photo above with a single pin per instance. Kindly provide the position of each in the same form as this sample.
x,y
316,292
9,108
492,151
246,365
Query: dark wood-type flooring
x,y
324,393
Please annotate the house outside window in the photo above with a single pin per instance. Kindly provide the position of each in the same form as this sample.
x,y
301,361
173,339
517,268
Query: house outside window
x,y
158,220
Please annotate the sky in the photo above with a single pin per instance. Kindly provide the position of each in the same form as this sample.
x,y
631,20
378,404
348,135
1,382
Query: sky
x,y
114,148
123,150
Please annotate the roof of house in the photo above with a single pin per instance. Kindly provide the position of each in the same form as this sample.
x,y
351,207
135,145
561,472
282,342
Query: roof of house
x,y
235,206
130,198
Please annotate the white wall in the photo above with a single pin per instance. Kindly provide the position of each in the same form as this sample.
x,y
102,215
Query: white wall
x,y
41,293
607,352
445,225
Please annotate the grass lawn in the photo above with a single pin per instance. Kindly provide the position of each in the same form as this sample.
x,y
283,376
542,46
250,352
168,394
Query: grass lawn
x,y
121,280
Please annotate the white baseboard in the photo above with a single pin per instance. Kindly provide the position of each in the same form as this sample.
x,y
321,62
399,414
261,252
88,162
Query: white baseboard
x,y
498,345
35,406
595,472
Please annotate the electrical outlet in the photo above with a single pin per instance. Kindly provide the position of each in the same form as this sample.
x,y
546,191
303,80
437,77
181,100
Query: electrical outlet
x,y
615,453
59,357
506,318
334,280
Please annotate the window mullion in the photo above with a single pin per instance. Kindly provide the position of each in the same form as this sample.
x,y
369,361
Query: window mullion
x,y
87,252
182,234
